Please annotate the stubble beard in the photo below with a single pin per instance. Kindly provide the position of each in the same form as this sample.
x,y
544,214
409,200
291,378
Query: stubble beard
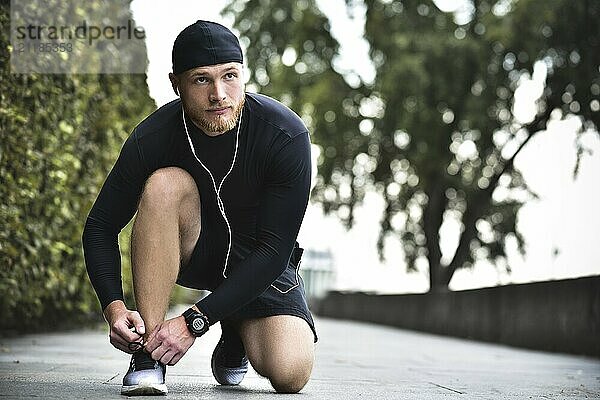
x,y
222,123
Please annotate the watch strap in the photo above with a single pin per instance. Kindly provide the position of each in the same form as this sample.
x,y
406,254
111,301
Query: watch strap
x,y
189,312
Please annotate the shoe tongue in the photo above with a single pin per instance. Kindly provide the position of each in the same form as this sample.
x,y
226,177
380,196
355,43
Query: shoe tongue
x,y
143,360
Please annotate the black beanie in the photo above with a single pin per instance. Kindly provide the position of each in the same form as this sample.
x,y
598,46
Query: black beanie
x,y
205,43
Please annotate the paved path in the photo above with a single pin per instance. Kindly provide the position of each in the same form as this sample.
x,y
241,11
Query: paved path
x,y
354,361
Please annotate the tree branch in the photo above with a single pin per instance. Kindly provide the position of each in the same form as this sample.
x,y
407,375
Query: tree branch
x,y
481,199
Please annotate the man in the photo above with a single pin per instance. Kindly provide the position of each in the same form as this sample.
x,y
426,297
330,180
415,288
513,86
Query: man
x,y
220,182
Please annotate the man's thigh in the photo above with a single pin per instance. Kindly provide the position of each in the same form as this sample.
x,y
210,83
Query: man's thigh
x,y
282,343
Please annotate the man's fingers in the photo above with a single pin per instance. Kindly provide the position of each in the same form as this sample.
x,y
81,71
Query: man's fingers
x,y
152,346
126,327
136,321
123,330
120,344
169,341
167,357
176,358
140,328
159,352
151,342
121,337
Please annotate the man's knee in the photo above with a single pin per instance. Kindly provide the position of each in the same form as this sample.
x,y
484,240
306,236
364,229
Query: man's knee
x,y
281,349
291,376
168,185
287,374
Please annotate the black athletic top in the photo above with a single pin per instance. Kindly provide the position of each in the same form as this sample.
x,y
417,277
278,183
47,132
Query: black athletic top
x,y
265,198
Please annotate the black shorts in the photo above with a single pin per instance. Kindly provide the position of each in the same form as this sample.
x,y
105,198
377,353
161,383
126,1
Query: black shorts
x,y
290,299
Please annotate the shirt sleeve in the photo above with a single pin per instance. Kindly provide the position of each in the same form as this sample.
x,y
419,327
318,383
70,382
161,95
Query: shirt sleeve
x,y
281,211
113,209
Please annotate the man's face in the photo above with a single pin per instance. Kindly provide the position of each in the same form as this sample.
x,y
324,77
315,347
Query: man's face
x,y
212,96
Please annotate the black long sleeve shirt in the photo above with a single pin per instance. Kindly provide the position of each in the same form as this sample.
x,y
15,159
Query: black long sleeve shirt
x,y
265,198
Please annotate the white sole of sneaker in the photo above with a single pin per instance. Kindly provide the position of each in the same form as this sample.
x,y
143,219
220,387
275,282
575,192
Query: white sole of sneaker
x,y
228,376
148,389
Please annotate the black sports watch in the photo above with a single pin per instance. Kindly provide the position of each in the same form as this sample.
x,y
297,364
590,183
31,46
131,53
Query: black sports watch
x,y
196,322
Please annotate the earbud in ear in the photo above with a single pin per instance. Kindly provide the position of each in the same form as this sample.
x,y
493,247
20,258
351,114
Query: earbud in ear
x,y
177,91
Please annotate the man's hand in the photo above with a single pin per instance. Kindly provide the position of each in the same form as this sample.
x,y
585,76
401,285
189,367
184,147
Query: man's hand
x,y
125,326
170,341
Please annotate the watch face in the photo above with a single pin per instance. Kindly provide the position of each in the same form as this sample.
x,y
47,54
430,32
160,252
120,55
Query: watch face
x,y
198,324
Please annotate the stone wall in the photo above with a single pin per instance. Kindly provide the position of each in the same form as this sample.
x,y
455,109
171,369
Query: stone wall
x,y
562,316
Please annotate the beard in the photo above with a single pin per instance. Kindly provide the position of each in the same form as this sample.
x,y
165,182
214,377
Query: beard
x,y
220,124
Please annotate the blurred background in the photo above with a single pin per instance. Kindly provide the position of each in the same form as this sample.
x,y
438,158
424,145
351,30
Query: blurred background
x,y
455,146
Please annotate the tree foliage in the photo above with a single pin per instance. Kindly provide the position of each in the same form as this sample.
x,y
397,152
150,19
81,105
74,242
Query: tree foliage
x,y
59,136
290,52
436,133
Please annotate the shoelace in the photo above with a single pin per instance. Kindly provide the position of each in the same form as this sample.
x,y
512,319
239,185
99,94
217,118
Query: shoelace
x,y
140,360
135,346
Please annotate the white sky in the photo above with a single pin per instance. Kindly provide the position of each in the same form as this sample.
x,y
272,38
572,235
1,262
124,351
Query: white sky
x,y
567,216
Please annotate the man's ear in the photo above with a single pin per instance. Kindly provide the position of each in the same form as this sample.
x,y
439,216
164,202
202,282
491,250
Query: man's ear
x,y
174,83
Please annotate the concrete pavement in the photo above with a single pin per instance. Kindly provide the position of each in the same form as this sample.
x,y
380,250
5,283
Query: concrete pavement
x,y
354,360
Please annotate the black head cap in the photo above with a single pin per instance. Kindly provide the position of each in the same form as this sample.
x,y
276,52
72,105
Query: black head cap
x,y
205,43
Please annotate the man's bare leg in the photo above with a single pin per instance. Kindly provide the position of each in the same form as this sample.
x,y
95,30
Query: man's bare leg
x,y
164,234
280,348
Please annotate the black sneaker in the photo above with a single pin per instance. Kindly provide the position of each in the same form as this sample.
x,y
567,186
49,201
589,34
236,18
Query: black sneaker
x,y
144,377
229,362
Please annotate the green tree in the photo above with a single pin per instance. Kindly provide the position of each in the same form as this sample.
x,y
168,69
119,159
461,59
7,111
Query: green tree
x,y
565,36
451,86
59,136
290,53
435,134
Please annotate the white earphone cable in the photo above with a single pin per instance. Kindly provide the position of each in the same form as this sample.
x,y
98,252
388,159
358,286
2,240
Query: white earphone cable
x,y
220,201
218,190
